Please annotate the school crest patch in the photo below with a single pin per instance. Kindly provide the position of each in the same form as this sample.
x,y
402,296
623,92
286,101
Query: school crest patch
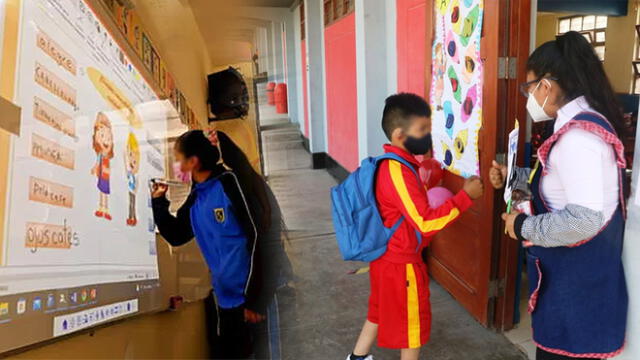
x,y
219,213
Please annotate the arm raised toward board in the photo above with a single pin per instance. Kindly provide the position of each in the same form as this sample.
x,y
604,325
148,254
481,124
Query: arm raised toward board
x,y
175,229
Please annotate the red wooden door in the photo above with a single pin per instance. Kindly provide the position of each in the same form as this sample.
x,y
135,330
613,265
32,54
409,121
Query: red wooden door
x,y
463,258
342,94
411,35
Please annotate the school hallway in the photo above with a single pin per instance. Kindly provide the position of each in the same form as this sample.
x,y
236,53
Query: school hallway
x,y
323,319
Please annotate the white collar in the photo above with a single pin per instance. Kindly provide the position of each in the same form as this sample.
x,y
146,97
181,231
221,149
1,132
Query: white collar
x,y
570,110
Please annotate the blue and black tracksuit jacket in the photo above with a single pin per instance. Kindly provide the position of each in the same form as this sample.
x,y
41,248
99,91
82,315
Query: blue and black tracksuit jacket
x,y
218,215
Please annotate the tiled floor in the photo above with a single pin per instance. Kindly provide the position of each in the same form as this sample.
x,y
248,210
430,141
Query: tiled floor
x,y
521,334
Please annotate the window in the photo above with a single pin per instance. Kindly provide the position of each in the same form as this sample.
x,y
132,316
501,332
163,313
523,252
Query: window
x,y
591,26
335,10
636,63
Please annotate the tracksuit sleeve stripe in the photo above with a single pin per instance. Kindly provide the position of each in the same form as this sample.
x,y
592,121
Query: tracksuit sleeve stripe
x,y
424,225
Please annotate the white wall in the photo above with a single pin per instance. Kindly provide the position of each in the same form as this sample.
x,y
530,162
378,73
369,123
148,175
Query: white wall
x,y
377,70
314,21
295,66
631,260
289,20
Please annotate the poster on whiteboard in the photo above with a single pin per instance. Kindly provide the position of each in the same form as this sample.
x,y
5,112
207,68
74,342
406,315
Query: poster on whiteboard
x,y
78,225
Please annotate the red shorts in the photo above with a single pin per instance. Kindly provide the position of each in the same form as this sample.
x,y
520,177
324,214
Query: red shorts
x,y
399,304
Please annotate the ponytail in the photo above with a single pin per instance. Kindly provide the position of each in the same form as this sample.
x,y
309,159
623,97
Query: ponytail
x,y
195,143
572,60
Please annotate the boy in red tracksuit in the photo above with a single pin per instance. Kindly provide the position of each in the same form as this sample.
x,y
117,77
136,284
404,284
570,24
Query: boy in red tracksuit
x,y
399,309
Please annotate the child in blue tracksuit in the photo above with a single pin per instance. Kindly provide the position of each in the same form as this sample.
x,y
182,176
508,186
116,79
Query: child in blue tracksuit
x,y
218,215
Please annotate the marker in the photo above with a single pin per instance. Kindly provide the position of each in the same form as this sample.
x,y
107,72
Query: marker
x,y
508,212
167,182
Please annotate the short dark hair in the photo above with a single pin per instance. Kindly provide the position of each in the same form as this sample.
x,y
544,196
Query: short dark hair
x,y
398,110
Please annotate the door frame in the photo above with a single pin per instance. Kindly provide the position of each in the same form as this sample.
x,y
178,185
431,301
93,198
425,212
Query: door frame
x,y
517,45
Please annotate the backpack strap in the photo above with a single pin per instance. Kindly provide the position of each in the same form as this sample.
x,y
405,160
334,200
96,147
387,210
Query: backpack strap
x,y
396,157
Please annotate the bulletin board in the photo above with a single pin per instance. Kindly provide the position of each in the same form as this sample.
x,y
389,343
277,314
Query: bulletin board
x,y
77,237
457,87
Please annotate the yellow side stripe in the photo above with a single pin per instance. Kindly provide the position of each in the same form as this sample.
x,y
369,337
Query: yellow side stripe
x,y
426,226
413,309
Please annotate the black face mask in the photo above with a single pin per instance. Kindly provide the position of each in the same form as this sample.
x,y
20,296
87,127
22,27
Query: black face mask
x,y
418,146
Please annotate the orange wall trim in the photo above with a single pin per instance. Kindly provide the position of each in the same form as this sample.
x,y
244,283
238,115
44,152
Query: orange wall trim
x,y
7,81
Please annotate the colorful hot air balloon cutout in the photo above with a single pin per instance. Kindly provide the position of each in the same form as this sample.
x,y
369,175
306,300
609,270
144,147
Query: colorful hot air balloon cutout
x,y
455,84
470,23
460,143
469,103
451,46
442,5
469,63
455,16
447,158
449,118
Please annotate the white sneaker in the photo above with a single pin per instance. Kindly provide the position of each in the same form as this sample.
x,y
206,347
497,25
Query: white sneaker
x,y
369,357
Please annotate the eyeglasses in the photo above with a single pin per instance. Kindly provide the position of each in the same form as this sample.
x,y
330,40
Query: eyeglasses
x,y
524,87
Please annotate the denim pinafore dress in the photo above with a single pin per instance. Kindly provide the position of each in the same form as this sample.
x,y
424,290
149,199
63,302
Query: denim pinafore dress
x,y
578,295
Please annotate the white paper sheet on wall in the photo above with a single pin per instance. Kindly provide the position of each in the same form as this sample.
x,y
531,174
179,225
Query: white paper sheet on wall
x,y
511,159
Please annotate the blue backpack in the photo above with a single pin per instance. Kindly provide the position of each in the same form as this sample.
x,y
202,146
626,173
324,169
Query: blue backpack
x,y
360,231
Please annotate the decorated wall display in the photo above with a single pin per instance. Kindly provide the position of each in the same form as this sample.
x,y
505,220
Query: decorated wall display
x,y
456,89
128,22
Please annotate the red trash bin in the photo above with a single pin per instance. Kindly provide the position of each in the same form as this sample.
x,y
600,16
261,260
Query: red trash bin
x,y
270,96
280,94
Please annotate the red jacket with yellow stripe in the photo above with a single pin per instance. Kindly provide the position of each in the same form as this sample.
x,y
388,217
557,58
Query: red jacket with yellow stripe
x,y
400,193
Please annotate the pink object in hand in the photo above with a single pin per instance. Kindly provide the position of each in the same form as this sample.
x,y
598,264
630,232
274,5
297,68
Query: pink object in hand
x,y
438,196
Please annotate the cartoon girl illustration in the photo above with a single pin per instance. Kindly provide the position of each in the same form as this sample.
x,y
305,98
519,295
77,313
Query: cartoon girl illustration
x,y
103,146
132,165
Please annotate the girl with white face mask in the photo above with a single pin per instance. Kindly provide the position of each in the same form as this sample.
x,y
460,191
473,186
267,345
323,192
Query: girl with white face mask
x,y
578,297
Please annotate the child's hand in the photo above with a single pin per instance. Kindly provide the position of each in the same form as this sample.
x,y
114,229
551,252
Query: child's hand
x,y
497,175
473,187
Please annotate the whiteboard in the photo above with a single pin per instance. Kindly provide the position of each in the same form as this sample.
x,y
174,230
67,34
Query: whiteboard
x,y
79,242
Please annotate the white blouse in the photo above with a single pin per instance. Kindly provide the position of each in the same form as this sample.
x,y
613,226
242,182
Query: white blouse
x,y
581,168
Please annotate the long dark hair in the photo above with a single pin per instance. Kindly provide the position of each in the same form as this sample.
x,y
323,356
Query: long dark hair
x,y
236,159
573,62
195,143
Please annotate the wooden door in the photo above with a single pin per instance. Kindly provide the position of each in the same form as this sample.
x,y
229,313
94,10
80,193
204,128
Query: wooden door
x,y
463,258
517,42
